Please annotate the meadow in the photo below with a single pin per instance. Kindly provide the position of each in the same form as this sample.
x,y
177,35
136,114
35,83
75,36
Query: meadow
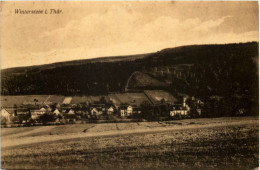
x,y
220,143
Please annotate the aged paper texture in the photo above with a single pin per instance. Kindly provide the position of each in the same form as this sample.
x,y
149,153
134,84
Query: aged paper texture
x,y
129,85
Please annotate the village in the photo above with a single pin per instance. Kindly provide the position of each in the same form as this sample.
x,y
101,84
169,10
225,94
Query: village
x,y
148,105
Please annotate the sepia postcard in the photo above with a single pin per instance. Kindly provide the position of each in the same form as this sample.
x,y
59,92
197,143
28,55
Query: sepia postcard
x,y
129,84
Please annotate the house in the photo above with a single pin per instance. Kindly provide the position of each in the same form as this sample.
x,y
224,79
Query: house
x,y
71,112
129,110
126,110
93,111
42,110
180,109
56,112
34,116
5,116
110,110
123,111
96,111
67,111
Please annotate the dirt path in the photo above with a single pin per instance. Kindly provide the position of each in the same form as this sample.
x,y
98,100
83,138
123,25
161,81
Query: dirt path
x,y
15,140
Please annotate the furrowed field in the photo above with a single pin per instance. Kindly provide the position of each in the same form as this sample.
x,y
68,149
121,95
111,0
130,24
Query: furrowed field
x,y
219,143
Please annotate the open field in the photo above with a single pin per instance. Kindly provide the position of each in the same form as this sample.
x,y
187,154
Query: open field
x,y
222,143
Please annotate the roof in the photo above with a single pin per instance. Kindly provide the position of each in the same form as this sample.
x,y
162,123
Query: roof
x,y
133,99
111,108
56,111
42,109
156,96
71,111
4,111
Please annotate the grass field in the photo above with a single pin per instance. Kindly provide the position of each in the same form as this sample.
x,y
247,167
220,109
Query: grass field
x,y
220,143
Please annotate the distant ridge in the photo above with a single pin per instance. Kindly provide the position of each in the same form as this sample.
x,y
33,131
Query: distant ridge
x,y
80,61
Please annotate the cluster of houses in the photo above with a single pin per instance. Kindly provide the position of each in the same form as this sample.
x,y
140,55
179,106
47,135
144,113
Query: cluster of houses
x,y
117,105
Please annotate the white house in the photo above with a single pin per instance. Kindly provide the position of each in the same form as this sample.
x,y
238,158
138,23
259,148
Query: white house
x,y
5,116
56,112
129,111
71,112
96,111
93,111
123,112
110,110
126,111
178,110
34,116
42,111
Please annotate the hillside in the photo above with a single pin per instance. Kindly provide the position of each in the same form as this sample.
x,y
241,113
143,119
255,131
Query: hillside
x,y
141,81
228,72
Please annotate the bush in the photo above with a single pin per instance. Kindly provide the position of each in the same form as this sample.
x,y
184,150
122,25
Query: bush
x,y
31,121
45,118
4,121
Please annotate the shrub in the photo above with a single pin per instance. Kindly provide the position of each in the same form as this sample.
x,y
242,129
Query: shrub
x,y
4,121
45,118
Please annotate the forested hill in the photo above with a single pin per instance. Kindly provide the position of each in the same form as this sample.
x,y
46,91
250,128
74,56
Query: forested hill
x,y
200,70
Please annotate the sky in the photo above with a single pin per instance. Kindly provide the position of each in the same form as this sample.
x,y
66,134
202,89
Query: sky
x,y
85,30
